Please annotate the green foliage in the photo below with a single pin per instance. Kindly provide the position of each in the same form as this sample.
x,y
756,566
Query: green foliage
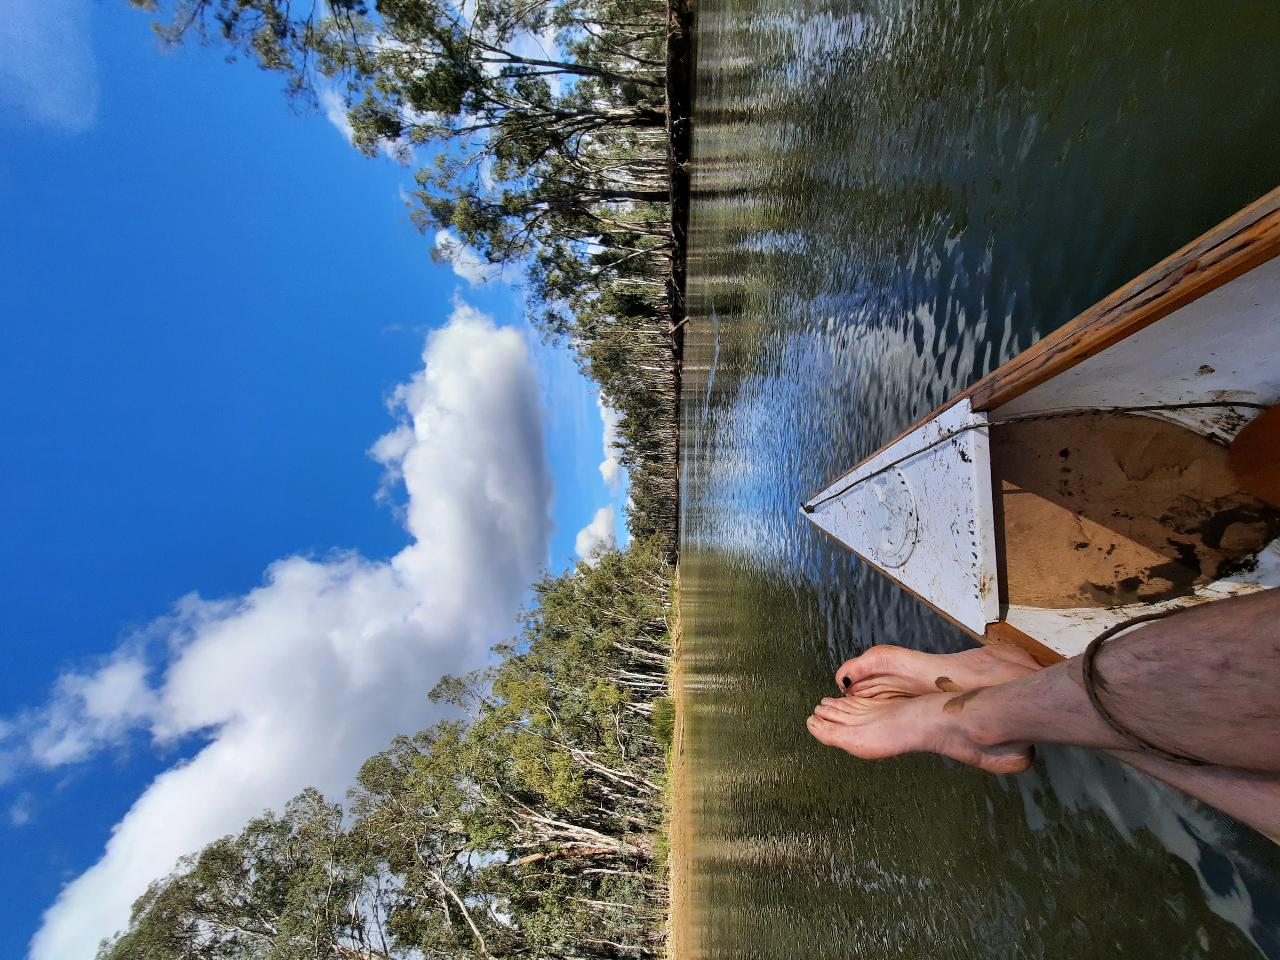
x,y
526,826
556,160
529,826
277,890
663,720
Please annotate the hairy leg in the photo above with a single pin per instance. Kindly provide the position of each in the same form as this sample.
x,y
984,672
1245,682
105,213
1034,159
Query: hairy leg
x,y
1250,796
886,672
1201,683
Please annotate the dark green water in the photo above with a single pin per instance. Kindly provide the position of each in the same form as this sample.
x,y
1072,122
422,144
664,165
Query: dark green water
x,y
890,199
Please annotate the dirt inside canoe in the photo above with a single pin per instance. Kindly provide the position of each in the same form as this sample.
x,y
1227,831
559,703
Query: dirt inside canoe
x,y
1109,509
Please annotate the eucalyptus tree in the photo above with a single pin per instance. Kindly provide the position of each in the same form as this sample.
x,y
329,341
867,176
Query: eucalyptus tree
x,y
542,133
291,886
523,826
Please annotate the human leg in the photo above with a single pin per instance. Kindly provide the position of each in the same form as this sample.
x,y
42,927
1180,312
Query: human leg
x,y
1202,683
1214,673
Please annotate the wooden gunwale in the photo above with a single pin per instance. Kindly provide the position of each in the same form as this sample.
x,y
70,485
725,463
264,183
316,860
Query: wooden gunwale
x,y
1229,250
1002,631
998,631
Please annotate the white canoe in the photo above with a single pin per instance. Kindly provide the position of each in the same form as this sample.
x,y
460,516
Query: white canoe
x,y
1102,475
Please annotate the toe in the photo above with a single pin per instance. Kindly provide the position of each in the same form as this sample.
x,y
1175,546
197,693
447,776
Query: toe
x,y
846,706
830,712
865,666
864,687
877,691
823,730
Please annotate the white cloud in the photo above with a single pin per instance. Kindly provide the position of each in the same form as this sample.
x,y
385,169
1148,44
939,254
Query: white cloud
x,y
468,264
299,680
335,111
611,466
487,179
596,535
92,710
601,532
540,46
20,811
47,65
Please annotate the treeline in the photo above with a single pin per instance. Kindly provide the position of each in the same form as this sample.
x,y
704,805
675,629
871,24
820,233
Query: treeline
x,y
528,827
545,136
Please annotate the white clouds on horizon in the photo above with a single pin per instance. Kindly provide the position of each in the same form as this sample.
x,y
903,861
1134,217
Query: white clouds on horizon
x,y
48,70
601,532
298,681
597,535
610,466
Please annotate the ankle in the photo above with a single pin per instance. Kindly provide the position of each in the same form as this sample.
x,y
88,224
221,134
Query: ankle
x,y
973,720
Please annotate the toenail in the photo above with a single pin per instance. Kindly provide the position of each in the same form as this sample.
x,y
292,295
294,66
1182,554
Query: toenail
x,y
847,681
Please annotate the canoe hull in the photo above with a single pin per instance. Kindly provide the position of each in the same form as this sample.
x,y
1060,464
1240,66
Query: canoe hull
x,y
1192,347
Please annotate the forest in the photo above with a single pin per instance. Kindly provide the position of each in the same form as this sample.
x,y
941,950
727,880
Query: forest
x,y
529,824
551,135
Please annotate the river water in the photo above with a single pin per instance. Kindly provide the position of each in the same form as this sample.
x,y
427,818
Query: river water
x,y
891,199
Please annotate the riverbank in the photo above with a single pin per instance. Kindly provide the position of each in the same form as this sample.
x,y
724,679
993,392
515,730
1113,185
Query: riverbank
x,y
679,800
679,95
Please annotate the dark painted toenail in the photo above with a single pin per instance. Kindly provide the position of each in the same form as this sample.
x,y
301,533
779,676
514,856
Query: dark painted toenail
x,y
847,681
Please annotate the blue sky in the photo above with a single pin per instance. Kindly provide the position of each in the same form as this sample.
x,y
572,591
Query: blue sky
x,y
209,303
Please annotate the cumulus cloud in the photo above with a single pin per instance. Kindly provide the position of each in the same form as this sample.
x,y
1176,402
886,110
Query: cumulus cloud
x,y
296,682
466,263
611,466
601,532
91,710
47,65
596,535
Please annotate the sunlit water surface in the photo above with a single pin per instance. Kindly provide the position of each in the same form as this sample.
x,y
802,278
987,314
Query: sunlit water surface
x,y
889,201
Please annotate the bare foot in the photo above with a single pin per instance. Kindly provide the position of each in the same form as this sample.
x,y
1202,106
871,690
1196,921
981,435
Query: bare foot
x,y
886,672
873,729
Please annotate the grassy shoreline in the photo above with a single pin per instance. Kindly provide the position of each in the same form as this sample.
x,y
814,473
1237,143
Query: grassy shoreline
x,y
678,798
